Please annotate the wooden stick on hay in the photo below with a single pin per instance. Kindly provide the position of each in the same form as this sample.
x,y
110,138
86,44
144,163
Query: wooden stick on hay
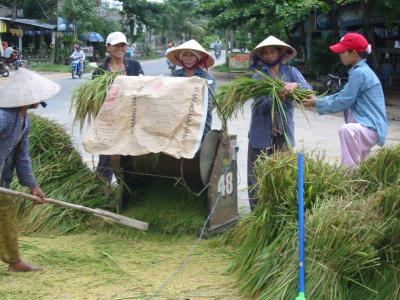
x,y
96,211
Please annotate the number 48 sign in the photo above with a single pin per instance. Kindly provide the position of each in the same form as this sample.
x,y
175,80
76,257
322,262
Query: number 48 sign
x,y
225,184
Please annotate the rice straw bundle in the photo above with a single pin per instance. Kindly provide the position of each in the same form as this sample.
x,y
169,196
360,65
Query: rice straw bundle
x,y
61,173
380,170
340,247
353,233
232,97
89,97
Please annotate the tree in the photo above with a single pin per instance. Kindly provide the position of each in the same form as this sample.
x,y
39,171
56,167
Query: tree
x,y
84,16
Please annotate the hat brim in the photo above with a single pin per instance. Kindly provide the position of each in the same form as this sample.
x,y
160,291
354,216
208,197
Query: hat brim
x,y
338,48
290,53
118,42
174,54
35,89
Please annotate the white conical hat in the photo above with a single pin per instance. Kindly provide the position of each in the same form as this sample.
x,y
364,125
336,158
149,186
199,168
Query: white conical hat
x,y
273,41
26,88
193,45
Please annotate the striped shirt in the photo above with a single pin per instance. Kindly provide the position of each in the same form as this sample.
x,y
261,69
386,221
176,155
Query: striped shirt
x,y
14,152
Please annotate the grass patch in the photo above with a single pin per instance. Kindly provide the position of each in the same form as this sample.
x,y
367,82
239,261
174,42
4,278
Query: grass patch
x,y
224,68
148,57
43,67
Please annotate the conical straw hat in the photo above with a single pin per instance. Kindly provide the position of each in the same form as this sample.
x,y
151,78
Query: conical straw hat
x,y
290,52
173,55
26,88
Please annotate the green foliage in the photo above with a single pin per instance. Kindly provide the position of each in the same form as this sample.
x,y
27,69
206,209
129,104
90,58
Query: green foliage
x,y
84,15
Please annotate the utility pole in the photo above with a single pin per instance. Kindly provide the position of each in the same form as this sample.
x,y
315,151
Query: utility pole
x,y
14,9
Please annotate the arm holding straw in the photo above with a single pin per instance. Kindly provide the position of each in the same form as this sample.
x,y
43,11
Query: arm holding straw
x,y
337,102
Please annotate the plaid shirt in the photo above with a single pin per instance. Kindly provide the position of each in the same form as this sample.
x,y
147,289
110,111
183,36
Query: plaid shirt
x,y
14,152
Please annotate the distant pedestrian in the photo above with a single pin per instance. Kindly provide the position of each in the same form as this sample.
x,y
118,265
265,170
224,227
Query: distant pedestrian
x,y
171,65
361,99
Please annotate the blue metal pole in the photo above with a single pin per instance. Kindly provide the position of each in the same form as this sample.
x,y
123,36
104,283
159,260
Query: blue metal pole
x,y
300,195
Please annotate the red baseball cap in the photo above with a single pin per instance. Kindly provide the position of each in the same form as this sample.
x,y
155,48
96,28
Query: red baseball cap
x,y
351,41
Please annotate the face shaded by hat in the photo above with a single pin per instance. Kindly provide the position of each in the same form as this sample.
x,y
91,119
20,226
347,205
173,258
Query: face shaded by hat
x,y
26,88
287,51
204,59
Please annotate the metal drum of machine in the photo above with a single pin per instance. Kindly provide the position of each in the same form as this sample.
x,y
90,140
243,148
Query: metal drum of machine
x,y
213,167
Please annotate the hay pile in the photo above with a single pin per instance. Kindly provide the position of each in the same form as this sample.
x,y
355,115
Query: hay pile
x,y
352,236
63,175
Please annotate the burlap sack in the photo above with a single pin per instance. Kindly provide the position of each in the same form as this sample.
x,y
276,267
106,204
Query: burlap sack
x,y
148,114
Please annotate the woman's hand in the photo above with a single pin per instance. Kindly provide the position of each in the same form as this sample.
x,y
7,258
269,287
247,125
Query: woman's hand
x,y
36,191
289,88
310,102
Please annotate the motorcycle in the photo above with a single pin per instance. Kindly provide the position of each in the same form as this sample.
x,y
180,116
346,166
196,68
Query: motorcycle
x,y
76,68
15,60
3,70
335,83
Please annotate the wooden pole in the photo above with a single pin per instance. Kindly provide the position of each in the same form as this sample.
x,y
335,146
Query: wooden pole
x,y
96,211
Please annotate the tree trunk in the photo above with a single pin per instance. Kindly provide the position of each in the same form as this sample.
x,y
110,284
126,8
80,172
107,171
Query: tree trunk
x,y
370,36
334,20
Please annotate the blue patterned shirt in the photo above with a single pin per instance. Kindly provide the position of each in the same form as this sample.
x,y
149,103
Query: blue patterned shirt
x,y
14,152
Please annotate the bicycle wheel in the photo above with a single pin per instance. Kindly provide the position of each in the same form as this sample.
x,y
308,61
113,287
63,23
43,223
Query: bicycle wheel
x,y
4,72
25,64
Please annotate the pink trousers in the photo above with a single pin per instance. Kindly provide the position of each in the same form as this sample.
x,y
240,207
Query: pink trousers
x,y
356,142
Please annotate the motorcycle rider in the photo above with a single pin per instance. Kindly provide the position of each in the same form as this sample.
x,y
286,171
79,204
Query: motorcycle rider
x,y
171,66
79,54
217,48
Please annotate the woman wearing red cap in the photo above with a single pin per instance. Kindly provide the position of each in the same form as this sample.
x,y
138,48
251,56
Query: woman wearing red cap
x,y
361,99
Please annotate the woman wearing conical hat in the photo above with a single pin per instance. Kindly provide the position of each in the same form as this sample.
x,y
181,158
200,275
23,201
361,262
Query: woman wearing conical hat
x,y
15,100
195,61
269,133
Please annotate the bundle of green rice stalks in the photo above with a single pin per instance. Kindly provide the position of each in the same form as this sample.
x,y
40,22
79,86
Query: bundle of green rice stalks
x,y
353,236
62,175
232,97
277,191
89,97
340,250
381,170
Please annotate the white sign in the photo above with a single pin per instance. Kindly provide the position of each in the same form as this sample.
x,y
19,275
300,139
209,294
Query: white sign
x,y
88,51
